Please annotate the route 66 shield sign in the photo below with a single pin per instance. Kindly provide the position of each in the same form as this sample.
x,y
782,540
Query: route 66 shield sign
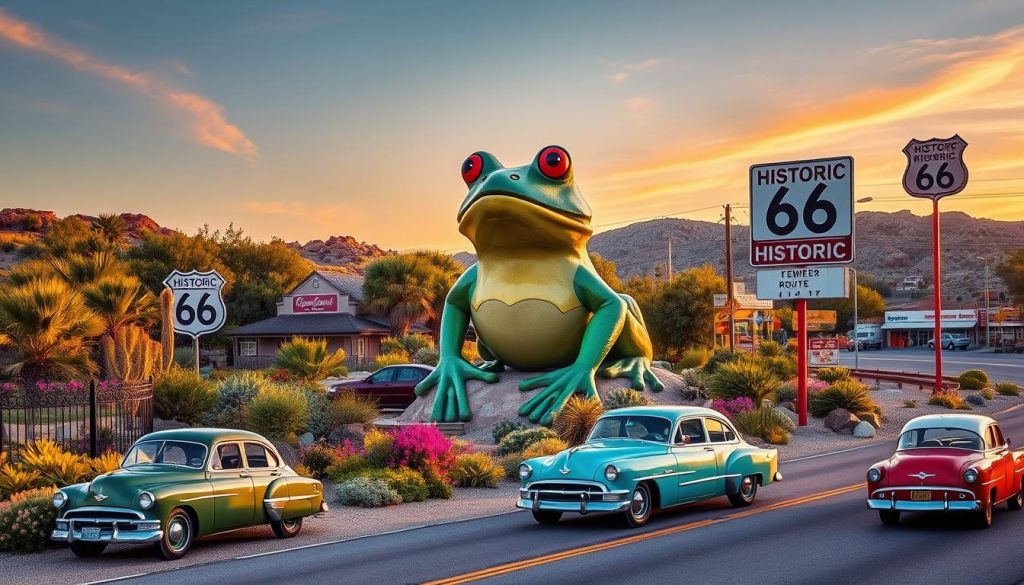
x,y
935,168
198,304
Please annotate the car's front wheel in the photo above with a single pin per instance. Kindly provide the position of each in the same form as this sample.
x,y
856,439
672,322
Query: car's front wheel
x,y
287,528
179,533
87,549
639,511
889,517
746,493
1017,501
547,516
984,519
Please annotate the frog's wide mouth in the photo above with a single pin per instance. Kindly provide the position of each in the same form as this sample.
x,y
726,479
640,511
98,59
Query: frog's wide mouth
x,y
482,195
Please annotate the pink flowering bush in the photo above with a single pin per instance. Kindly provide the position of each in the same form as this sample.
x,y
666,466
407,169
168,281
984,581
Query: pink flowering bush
x,y
423,448
25,524
731,408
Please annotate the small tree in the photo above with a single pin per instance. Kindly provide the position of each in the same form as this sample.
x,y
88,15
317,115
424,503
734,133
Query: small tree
x,y
310,359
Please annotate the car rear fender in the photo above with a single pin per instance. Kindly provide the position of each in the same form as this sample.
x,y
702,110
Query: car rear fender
x,y
292,497
744,461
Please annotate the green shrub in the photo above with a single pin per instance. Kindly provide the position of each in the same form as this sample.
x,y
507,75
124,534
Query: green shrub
x,y
319,420
233,397
626,397
719,357
390,359
408,483
366,492
969,380
785,393
833,374
544,448
427,356
476,470
697,380
976,399
278,412
309,359
743,378
346,468
416,341
1008,389
783,366
27,521
576,418
518,441
377,447
848,394
438,486
987,393
951,400
183,395
693,358
54,465
769,348
510,464
347,407
766,423
504,427
391,344
318,457
14,479
977,374
185,357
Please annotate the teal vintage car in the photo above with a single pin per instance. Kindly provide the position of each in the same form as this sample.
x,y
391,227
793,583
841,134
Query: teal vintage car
x,y
641,459
175,486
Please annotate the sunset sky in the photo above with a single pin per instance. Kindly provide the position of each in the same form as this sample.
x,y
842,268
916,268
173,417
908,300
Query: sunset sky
x,y
308,119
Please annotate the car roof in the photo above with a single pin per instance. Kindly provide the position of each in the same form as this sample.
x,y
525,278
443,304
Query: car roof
x,y
969,422
206,436
669,411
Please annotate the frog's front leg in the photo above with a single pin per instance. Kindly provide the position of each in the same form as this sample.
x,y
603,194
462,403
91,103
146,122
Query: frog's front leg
x,y
452,371
631,355
609,313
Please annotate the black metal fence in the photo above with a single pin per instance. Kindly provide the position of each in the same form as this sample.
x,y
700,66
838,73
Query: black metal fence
x,y
88,418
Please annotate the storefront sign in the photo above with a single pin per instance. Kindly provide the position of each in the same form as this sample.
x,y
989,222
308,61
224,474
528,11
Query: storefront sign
x,y
801,213
743,301
823,351
929,316
815,282
818,321
315,304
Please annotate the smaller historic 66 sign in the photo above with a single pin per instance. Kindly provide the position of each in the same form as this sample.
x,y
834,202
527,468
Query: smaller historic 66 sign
x,y
198,304
935,168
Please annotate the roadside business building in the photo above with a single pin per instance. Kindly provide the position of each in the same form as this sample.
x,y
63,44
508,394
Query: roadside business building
x,y
915,328
325,304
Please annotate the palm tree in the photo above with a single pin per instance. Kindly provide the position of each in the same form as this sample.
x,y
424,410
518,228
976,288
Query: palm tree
x,y
120,301
310,360
82,269
112,228
445,271
399,287
47,323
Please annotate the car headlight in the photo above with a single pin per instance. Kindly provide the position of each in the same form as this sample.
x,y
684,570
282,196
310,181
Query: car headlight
x,y
146,500
524,471
971,475
611,473
59,499
874,474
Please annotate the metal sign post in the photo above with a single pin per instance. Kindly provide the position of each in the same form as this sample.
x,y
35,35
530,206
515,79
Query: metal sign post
x,y
935,169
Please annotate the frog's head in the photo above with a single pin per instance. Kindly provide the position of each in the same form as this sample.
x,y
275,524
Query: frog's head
x,y
536,205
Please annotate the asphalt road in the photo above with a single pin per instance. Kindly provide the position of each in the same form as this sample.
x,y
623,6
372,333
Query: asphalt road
x,y
1000,366
806,529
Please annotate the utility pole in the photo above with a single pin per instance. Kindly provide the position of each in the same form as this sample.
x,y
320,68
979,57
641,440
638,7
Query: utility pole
x,y
670,259
730,303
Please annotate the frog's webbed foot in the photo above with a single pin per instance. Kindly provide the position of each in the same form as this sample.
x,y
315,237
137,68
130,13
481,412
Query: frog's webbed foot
x,y
494,366
561,384
450,375
637,369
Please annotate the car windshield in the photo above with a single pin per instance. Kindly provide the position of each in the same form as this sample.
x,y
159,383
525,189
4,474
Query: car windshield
x,y
181,453
940,437
645,428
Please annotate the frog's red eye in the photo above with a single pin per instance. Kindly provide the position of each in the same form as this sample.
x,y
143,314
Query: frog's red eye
x,y
472,167
554,162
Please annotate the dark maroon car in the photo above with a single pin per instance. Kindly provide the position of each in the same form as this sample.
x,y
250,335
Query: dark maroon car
x,y
392,386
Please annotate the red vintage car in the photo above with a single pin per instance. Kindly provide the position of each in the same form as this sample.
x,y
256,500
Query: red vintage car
x,y
392,386
948,463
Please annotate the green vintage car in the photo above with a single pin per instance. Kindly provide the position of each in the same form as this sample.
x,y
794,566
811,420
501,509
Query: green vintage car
x,y
645,458
175,486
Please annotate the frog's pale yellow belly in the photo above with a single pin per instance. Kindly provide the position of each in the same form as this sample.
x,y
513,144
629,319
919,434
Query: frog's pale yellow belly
x,y
531,334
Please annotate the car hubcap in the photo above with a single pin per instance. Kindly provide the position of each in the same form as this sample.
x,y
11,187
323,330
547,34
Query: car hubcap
x,y
639,507
747,487
177,533
290,524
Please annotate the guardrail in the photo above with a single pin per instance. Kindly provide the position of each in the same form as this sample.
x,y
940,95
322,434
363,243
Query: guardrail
x,y
918,379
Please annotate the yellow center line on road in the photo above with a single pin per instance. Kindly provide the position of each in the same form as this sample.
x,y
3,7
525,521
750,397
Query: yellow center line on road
x,y
554,557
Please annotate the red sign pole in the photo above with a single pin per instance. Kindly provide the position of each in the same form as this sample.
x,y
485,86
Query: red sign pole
x,y
937,276
801,361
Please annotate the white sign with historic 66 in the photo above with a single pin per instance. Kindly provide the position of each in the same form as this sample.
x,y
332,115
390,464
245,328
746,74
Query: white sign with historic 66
x,y
198,304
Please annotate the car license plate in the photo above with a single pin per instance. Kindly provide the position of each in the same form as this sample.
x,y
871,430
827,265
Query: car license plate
x,y
919,496
90,534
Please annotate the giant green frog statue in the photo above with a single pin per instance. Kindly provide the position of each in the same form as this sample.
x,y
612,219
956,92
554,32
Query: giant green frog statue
x,y
534,298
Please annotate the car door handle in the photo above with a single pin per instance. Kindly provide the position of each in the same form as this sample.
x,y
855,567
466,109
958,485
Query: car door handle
x,y
244,474
712,449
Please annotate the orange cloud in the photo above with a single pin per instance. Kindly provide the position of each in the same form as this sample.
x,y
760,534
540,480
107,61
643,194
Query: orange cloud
x,y
206,119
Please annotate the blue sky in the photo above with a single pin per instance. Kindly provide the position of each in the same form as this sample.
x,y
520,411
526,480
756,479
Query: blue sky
x,y
307,119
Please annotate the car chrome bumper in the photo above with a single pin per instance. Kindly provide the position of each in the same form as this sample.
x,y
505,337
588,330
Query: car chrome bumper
x,y
142,531
932,506
574,501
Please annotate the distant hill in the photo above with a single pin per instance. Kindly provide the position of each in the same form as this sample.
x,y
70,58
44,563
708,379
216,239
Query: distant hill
x,y
342,252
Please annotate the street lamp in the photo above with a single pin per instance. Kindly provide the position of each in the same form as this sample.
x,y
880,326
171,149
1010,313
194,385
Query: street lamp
x,y
856,318
988,307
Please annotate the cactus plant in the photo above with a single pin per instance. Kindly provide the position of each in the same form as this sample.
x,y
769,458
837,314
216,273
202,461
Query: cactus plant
x,y
167,328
